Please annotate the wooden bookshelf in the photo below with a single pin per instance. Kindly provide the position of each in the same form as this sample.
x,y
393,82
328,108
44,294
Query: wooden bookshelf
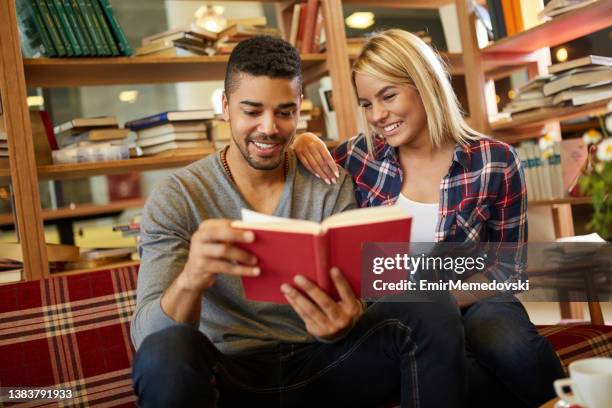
x,y
544,115
83,210
557,31
74,72
560,201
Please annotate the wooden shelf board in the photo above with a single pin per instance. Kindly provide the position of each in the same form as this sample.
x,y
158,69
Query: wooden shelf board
x,y
75,72
557,31
82,210
66,171
559,201
79,170
552,114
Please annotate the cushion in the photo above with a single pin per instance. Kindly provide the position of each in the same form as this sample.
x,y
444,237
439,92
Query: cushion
x,y
71,332
578,341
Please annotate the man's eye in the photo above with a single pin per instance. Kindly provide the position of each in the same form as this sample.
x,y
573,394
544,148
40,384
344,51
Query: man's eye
x,y
251,113
286,114
389,97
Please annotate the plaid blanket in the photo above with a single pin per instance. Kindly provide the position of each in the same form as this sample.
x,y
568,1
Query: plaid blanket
x,y
70,332
73,332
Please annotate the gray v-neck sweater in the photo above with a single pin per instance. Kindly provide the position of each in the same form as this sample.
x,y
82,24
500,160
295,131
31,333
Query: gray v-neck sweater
x,y
173,212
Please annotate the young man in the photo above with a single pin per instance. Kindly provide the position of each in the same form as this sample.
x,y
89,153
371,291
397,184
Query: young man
x,y
201,343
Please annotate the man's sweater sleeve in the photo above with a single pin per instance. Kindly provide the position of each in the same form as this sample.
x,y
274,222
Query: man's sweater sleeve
x,y
164,248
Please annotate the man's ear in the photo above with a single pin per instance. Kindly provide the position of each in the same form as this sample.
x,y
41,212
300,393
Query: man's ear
x,y
225,104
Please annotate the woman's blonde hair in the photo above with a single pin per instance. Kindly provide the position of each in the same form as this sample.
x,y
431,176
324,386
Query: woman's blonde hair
x,y
402,58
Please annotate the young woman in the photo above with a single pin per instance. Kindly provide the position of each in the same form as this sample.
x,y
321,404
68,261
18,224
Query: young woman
x,y
459,185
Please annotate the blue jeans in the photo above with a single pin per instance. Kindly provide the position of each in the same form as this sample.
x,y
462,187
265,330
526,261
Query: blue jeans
x,y
508,363
415,350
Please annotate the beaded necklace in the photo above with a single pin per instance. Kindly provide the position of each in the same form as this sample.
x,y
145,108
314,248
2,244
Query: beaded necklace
x,y
229,172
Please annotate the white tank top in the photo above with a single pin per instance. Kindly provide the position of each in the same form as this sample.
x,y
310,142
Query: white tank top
x,y
424,218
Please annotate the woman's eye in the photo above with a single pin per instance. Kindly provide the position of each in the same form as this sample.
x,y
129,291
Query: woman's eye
x,y
366,105
389,97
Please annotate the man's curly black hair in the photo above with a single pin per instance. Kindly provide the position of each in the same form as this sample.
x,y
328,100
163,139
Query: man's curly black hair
x,y
263,56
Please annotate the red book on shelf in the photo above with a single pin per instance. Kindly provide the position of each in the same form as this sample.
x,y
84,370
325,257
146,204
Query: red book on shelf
x,y
285,248
309,26
302,23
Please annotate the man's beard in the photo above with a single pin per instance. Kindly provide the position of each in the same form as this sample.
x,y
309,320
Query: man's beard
x,y
268,165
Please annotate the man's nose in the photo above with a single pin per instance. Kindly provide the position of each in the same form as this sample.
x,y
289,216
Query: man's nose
x,y
268,124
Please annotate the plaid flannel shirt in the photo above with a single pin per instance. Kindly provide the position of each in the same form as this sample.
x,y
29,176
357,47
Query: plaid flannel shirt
x,y
482,197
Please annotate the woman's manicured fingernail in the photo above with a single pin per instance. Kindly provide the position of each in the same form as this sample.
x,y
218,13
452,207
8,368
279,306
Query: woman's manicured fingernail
x,y
256,271
299,279
249,236
286,289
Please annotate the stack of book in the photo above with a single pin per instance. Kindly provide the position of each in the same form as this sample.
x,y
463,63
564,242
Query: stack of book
x,y
238,30
90,140
220,133
306,114
558,7
11,260
3,150
189,40
530,96
173,132
580,81
70,28
544,175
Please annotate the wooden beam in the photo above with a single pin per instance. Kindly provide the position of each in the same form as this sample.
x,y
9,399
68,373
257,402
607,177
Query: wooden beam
x,y
474,77
345,102
20,146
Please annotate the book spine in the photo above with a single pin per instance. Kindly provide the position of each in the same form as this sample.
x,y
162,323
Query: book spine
x,y
557,170
517,12
147,122
67,28
72,20
546,175
60,29
122,42
302,21
309,26
83,27
108,37
508,16
93,28
39,25
45,13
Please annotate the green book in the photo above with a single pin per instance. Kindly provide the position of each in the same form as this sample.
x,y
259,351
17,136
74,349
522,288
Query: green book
x,y
93,25
53,23
99,15
74,24
33,36
67,28
83,26
122,42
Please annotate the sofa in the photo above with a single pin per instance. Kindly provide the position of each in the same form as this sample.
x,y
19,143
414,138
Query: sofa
x,y
73,332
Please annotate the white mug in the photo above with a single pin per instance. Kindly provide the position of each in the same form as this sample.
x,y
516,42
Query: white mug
x,y
590,381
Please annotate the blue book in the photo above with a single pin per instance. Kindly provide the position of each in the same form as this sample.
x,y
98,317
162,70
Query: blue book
x,y
171,116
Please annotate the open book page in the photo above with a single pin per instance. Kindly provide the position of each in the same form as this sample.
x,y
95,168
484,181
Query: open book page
x,y
254,220
362,216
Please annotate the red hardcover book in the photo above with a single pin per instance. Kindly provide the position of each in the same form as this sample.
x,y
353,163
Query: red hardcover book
x,y
309,26
286,248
